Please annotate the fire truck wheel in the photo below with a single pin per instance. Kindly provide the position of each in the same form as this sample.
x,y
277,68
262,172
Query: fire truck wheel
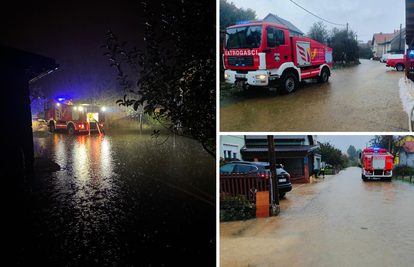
x,y
399,67
288,82
364,178
324,76
71,129
52,127
282,195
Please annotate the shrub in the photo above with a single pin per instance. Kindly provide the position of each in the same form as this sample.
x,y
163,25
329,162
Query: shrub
x,y
238,208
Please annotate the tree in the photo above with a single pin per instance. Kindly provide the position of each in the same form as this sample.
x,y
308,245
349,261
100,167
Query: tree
x,y
318,32
365,52
330,154
230,14
177,69
344,46
352,152
38,101
388,142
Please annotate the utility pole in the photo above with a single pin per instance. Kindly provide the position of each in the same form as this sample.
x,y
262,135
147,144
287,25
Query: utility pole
x,y
272,160
347,27
399,50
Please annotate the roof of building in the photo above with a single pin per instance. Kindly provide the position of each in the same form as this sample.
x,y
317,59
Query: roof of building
x,y
299,137
381,38
305,148
409,146
284,22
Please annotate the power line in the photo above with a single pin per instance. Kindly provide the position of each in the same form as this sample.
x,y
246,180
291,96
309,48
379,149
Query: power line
x,y
317,16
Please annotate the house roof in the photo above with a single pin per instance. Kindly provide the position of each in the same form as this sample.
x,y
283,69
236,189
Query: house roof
x,y
409,145
281,21
305,148
346,154
381,38
298,137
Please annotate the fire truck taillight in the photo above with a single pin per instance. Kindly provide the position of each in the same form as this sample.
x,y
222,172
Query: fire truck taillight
x,y
101,124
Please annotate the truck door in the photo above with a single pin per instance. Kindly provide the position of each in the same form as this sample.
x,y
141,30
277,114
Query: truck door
x,y
279,45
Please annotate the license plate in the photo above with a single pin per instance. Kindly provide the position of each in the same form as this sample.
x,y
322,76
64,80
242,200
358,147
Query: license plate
x,y
282,180
240,75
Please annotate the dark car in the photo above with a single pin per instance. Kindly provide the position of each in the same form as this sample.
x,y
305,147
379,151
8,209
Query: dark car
x,y
249,167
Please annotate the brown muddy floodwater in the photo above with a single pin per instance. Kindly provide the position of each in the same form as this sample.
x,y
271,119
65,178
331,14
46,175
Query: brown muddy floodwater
x,y
338,221
364,98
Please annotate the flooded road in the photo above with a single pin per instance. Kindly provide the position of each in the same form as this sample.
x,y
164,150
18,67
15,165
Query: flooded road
x,y
119,200
364,98
339,221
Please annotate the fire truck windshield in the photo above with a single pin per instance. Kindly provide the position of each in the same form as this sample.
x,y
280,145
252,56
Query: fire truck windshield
x,y
244,37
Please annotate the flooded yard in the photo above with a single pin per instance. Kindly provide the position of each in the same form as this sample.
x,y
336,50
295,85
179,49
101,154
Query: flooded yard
x,y
118,200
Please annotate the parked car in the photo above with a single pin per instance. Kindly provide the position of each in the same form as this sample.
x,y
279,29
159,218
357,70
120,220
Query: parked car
x,y
397,61
245,167
384,58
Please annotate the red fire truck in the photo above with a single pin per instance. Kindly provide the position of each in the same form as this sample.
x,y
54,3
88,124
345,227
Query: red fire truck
x,y
377,164
74,116
260,54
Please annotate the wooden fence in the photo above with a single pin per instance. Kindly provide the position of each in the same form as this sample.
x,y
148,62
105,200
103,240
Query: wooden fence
x,y
243,186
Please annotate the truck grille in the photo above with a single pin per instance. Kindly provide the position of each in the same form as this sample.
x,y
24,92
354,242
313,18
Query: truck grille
x,y
241,61
378,172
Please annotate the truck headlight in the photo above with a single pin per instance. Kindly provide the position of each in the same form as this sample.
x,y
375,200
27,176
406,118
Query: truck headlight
x,y
261,77
226,75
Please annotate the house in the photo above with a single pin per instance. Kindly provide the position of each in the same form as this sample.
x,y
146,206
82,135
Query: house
x,y
299,154
293,30
230,146
17,70
402,140
407,158
384,43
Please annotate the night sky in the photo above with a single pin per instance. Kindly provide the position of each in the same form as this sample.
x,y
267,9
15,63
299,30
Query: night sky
x,y
72,33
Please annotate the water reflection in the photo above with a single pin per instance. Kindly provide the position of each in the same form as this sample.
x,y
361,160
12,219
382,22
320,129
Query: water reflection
x,y
119,198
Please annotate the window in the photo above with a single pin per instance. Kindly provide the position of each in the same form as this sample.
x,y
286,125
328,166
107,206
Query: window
x,y
244,37
227,168
245,168
274,35
230,151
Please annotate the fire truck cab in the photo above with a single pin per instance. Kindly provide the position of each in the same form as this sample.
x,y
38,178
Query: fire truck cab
x,y
261,54
74,116
377,164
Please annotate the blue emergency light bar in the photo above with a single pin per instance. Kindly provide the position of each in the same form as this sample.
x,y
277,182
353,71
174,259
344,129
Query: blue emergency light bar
x,y
61,98
242,22
411,52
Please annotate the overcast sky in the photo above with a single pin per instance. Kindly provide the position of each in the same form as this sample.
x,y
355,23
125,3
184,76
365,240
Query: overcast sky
x,y
365,17
343,142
